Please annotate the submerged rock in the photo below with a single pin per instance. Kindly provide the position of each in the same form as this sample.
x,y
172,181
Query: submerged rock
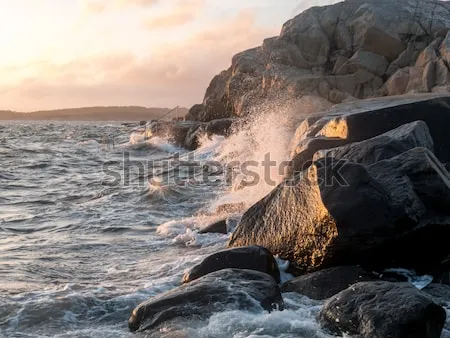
x,y
219,227
344,213
252,258
230,289
383,309
326,283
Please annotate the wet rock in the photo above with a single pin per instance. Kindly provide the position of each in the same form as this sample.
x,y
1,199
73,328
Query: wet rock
x,y
344,213
175,131
364,123
230,289
385,146
326,283
252,258
219,227
383,309
195,112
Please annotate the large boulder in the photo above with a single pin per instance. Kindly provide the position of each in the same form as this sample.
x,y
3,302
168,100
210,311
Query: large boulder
x,y
383,309
385,146
343,213
231,289
367,119
252,258
326,283
351,50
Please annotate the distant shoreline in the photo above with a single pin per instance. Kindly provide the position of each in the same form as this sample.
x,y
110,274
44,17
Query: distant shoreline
x,y
122,114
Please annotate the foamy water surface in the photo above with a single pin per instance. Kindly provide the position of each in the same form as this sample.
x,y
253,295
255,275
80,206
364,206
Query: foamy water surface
x,y
78,251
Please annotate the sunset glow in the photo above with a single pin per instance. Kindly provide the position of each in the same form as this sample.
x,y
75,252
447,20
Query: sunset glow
x,y
68,53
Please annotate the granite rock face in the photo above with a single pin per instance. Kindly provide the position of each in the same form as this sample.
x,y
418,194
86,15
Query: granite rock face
x,y
351,50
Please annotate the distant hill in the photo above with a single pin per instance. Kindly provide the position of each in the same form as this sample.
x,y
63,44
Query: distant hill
x,y
128,113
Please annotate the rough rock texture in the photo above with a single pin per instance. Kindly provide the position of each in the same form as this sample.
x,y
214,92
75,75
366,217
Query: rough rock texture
x,y
252,258
355,123
221,127
381,310
231,289
385,146
326,283
343,213
219,227
351,50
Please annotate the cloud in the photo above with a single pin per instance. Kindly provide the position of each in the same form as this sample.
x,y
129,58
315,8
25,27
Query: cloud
x,y
183,12
99,6
175,73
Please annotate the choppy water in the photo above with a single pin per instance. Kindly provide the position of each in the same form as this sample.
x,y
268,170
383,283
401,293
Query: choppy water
x,y
78,252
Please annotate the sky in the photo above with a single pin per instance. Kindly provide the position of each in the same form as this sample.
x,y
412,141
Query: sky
x,y
154,53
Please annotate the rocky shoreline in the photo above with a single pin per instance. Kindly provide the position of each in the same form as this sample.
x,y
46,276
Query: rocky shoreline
x,y
368,190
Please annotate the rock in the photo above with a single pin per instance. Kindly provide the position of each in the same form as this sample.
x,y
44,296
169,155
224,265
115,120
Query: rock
x,y
385,146
426,56
342,126
216,103
176,131
219,227
371,62
442,73
220,127
340,53
343,213
231,208
444,49
251,258
307,148
326,283
381,115
195,113
398,82
429,76
231,289
415,84
439,292
383,309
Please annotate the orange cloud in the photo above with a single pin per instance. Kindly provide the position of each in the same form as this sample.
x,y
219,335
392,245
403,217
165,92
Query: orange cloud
x,y
99,6
174,74
183,12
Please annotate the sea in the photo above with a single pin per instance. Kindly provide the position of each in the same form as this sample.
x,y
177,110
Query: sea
x,y
96,218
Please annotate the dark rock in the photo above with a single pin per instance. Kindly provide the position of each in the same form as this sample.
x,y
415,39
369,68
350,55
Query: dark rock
x,y
350,123
219,127
142,123
383,309
231,289
252,258
344,213
219,227
306,150
385,146
195,112
215,127
176,131
326,283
